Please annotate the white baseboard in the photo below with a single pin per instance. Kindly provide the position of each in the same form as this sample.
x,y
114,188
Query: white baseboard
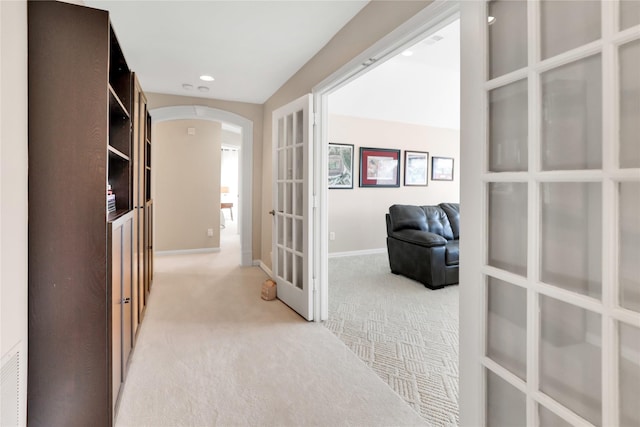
x,y
356,253
187,251
264,268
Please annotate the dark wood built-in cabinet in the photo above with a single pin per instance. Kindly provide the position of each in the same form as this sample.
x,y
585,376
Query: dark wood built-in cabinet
x,y
89,268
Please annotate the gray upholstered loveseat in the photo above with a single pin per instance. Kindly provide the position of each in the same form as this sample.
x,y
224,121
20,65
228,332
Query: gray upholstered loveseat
x,y
422,242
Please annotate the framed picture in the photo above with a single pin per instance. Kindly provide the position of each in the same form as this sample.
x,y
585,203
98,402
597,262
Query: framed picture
x,y
379,167
340,165
415,168
442,169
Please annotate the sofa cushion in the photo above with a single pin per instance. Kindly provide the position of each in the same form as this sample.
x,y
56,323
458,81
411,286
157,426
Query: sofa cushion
x,y
452,253
409,217
453,213
437,221
420,238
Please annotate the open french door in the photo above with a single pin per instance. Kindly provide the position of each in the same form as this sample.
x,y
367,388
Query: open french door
x,y
550,201
292,211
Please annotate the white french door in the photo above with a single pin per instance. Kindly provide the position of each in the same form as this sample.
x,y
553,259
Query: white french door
x,y
292,210
550,211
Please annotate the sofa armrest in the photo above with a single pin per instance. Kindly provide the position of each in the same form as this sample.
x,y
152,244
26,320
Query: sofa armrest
x,y
419,237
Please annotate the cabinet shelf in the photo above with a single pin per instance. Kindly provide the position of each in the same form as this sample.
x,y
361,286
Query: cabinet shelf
x,y
112,216
115,152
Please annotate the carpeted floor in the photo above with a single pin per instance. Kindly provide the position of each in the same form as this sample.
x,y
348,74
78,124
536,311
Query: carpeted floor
x,y
405,332
211,352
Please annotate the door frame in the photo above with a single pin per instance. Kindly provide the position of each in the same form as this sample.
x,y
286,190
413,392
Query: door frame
x,y
426,22
245,208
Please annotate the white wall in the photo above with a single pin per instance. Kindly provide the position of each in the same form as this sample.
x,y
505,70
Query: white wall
x,y
13,185
357,216
187,193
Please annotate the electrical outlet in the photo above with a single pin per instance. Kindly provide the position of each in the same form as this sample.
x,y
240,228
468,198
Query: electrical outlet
x,y
332,235
210,232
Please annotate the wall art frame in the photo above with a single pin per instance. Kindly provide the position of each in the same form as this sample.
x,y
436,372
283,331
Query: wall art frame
x,y
379,167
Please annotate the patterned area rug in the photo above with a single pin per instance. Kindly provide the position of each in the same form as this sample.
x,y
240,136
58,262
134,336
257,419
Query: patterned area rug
x,y
405,332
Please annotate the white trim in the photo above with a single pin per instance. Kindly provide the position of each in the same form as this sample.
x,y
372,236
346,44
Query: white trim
x,y
187,251
357,253
245,203
429,20
264,268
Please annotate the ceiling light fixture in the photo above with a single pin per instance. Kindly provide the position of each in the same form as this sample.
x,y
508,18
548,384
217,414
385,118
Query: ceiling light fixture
x,y
491,19
407,53
206,78
203,89
187,86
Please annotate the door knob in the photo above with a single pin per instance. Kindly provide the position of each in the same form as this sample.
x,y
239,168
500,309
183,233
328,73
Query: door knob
x,y
272,212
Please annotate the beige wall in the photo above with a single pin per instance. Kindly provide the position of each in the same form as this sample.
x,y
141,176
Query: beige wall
x,y
373,22
357,216
13,184
253,112
187,184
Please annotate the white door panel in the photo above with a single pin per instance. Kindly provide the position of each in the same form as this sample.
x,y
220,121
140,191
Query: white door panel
x,y
292,212
550,208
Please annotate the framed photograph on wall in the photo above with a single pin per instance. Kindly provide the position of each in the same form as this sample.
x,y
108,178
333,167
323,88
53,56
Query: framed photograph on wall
x,y
415,168
379,167
340,166
442,169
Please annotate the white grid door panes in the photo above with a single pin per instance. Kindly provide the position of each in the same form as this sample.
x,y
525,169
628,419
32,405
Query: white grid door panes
x,y
560,205
291,198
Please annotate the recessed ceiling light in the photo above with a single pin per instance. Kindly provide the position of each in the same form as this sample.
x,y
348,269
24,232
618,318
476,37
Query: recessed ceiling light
x,y
206,78
187,86
407,53
203,89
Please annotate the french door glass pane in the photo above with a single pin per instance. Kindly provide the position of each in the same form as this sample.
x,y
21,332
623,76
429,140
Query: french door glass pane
x,y
570,357
572,115
571,236
568,24
630,104
506,405
507,36
299,199
629,375
280,206
282,164
289,140
507,326
280,272
299,272
289,163
508,128
289,266
629,13
280,231
281,140
549,419
298,233
299,162
289,198
289,233
629,245
299,127
508,226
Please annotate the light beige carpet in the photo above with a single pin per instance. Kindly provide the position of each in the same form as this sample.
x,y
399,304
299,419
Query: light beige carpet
x,y
210,352
406,333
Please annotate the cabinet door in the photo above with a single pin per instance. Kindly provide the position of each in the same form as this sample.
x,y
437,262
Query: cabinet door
x,y
127,307
116,311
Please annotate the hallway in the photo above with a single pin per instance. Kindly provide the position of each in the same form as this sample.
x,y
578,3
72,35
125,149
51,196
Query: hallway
x,y
211,352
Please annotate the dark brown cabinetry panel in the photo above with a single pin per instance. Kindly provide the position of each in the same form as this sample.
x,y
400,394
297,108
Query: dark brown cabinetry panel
x,y
80,129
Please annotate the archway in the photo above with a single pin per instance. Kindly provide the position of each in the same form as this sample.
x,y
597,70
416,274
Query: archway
x,y
200,112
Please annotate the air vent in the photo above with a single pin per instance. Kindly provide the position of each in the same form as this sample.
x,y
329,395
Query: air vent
x,y
10,389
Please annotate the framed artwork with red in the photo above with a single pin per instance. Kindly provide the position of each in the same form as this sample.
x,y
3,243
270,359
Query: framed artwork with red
x,y
379,167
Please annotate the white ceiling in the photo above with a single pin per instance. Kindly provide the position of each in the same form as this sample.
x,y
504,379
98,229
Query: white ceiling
x,y
251,48
422,89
